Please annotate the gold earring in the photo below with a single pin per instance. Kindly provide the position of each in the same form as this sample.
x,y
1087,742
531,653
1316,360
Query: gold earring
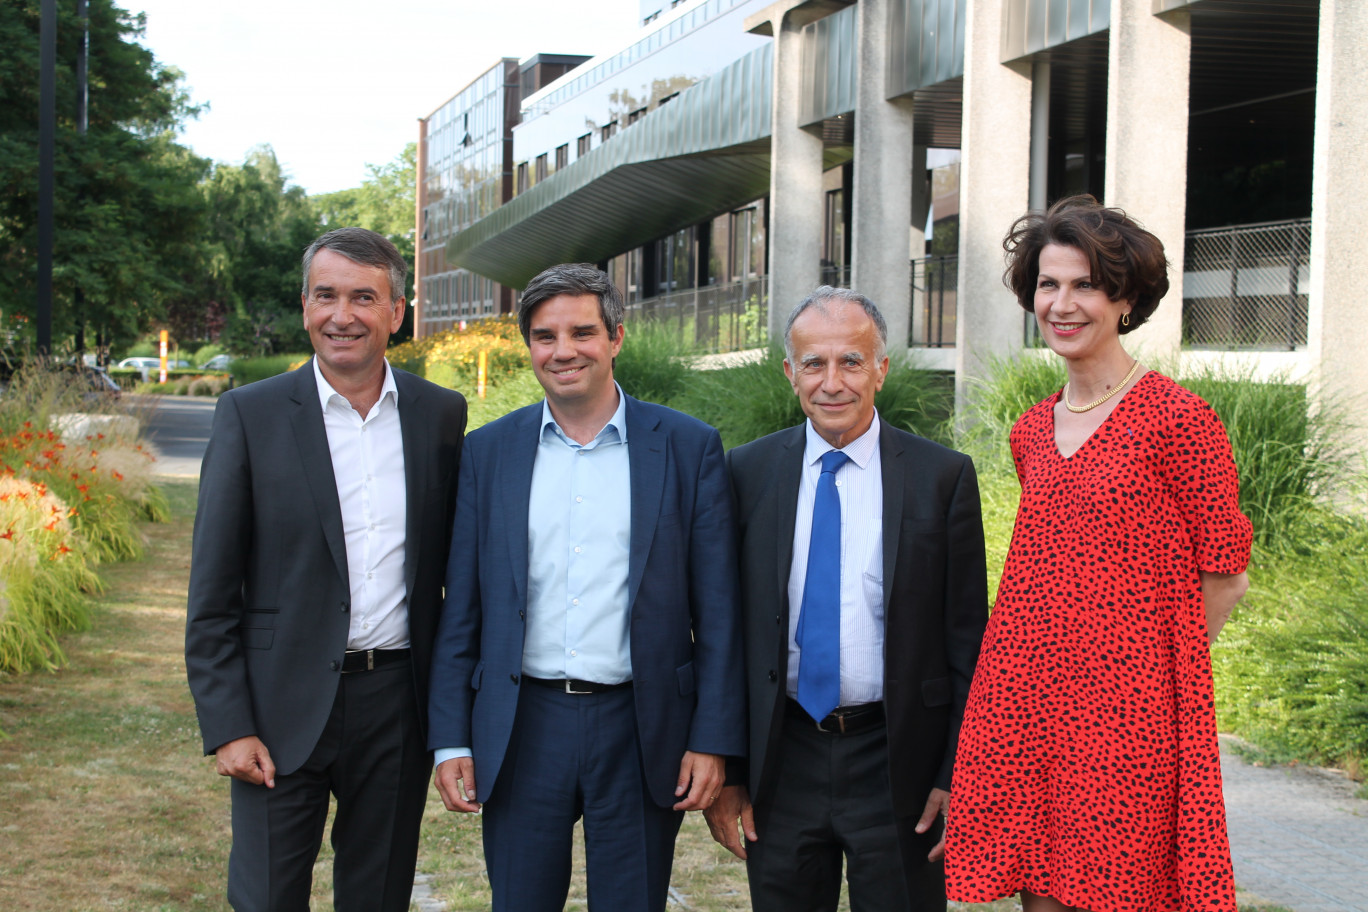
x,y
1125,319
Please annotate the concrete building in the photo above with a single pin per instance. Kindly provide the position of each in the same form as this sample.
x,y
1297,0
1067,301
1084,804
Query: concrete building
x,y
739,152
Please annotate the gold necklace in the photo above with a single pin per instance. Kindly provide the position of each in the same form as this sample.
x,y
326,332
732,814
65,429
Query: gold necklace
x,y
1077,409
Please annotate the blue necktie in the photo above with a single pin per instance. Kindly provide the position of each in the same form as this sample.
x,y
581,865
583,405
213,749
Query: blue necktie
x,y
819,624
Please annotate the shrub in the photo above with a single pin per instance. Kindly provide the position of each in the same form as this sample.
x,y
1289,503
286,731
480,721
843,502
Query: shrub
x,y
1292,666
43,575
250,370
451,358
653,364
748,400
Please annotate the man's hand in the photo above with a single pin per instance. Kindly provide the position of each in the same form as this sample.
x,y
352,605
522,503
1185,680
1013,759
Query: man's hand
x,y
938,802
701,777
732,805
456,783
246,759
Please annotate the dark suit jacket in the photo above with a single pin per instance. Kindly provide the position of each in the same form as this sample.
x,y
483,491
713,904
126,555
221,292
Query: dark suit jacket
x,y
269,602
935,600
681,586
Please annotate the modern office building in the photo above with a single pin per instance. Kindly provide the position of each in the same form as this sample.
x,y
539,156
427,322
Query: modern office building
x,y
465,172
739,152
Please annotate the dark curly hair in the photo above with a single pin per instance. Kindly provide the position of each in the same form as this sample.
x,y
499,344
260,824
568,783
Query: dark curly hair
x,y
1127,262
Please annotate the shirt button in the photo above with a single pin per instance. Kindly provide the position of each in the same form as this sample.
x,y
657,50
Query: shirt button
x,y
838,484
370,576
579,500
573,653
578,549
574,601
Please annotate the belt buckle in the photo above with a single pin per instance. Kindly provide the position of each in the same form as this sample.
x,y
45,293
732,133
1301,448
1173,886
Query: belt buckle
x,y
569,688
370,660
840,728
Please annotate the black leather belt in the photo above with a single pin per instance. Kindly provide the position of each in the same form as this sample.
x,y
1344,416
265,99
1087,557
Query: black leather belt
x,y
844,720
572,686
368,659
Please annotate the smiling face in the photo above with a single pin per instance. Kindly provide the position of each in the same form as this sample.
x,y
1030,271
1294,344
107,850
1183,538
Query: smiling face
x,y
572,353
835,369
349,316
1076,318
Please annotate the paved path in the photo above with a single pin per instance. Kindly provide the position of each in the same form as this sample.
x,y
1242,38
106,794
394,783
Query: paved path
x,y
179,426
1298,835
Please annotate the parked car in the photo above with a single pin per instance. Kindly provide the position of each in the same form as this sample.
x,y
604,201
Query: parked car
x,y
147,364
217,363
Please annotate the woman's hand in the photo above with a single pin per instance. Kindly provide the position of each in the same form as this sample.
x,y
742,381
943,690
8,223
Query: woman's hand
x,y
1220,592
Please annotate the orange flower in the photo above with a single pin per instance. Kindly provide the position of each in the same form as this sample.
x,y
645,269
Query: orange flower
x,y
9,534
52,526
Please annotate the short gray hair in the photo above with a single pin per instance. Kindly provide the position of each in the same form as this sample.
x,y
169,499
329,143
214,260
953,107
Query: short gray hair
x,y
361,245
573,279
818,301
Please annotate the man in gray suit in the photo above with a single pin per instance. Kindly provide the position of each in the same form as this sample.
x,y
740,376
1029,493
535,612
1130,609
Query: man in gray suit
x,y
324,520
863,593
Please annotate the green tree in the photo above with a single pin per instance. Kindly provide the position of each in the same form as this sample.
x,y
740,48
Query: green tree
x,y
258,225
384,203
127,210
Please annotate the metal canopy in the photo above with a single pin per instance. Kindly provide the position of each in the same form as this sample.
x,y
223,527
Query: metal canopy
x,y
705,152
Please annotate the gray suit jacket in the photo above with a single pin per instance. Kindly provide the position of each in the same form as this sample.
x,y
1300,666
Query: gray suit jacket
x,y
269,602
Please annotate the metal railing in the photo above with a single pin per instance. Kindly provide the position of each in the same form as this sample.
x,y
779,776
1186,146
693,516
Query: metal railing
x,y
1245,286
714,318
934,296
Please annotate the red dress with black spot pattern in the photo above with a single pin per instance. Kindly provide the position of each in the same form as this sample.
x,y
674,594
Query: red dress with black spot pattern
x,y
1088,767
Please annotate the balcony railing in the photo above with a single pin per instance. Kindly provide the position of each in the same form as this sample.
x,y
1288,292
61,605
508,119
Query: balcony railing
x,y
934,296
714,318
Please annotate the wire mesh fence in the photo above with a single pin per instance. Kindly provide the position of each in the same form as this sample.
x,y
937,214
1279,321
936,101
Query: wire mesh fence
x,y
1245,287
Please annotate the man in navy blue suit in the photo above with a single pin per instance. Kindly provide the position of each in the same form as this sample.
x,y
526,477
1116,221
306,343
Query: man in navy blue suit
x,y
588,658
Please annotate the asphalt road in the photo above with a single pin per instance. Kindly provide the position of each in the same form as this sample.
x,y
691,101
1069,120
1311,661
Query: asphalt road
x,y
179,427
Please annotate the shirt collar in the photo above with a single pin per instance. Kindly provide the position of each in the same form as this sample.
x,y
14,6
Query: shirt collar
x,y
860,450
326,391
616,424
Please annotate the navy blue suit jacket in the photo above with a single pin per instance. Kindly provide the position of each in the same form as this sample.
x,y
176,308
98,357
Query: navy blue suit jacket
x,y
681,588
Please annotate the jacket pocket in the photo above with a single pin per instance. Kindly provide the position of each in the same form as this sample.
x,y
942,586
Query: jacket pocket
x,y
685,674
936,692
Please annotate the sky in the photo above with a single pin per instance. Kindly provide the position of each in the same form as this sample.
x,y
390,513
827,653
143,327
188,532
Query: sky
x,y
335,86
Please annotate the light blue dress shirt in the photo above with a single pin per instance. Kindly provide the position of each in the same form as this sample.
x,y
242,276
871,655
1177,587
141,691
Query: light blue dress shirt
x,y
579,537
579,534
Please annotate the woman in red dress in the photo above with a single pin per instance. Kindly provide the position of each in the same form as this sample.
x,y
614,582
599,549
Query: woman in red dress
x,y
1088,775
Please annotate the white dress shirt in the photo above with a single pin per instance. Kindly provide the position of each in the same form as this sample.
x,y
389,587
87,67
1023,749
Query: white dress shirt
x,y
859,485
368,464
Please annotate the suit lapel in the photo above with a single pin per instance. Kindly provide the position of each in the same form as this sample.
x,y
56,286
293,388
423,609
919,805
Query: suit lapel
x,y
646,459
514,479
788,475
894,475
312,439
415,437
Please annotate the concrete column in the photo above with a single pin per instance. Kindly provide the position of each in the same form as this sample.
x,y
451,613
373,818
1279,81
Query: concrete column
x,y
1339,222
1147,141
916,238
995,146
1040,131
795,209
883,180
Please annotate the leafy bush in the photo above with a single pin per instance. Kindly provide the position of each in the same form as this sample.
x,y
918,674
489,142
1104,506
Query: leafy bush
x,y
198,383
748,400
1292,666
250,370
451,358
652,364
